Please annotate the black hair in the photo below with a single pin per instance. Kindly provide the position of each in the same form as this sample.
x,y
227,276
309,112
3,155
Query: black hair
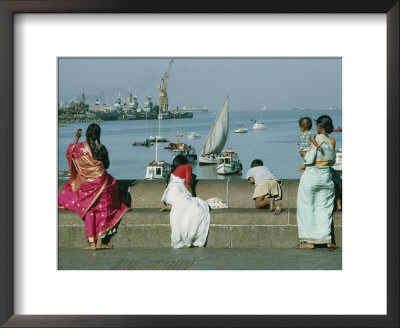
x,y
305,123
326,122
176,162
93,132
256,162
98,150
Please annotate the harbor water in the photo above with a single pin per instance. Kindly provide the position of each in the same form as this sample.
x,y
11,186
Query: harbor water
x,y
276,145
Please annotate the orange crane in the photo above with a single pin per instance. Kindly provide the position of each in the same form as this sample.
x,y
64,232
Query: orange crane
x,y
163,98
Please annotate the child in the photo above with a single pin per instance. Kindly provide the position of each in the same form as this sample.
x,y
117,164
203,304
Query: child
x,y
267,188
306,136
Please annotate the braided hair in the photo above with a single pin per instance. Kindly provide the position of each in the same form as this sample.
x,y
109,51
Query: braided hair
x,y
98,150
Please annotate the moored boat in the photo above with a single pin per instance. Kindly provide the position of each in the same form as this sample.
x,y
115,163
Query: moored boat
x,y
208,159
189,153
145,142
259,125
158,139
217,136
241,130
186,150
157,170
193,135
228,163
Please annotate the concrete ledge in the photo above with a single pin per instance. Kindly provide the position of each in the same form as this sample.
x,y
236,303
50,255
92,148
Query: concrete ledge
x,y
233,227
237,193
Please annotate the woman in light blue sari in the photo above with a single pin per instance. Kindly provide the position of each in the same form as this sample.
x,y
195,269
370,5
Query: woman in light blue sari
x,y
316,194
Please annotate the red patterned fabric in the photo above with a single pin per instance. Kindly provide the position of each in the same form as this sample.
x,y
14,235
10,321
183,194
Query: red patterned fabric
x,y
91,192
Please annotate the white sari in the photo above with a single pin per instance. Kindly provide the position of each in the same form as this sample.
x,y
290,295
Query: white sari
x,y
189,217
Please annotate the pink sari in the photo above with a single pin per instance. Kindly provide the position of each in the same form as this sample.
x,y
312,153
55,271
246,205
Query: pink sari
x,y
91,192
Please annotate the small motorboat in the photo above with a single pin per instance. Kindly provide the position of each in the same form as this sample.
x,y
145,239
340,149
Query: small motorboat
x,y
193,135
157,170
241,130
259,125
179,134
158,139
145,143
228,163
189,153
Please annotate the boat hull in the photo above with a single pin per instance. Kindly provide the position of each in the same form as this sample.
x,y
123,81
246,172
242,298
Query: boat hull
x,y
157,172
229,163
207,160
241,130
225,169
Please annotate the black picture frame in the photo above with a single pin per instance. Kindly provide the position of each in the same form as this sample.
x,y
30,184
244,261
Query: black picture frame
x,y
7,128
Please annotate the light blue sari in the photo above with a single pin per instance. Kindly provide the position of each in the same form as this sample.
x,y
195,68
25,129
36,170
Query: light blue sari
x,y
316,195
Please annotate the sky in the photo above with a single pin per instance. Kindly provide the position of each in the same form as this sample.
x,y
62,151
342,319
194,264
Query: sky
x,y
251,83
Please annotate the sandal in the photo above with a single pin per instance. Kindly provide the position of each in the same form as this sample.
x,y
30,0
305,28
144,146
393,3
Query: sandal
x,y
332,248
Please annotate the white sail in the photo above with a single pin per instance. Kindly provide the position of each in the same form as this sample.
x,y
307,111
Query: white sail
x,y
218,134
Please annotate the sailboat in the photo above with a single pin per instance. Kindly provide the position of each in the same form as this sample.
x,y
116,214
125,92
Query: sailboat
x,y
259,125
228,162
217,137
157,169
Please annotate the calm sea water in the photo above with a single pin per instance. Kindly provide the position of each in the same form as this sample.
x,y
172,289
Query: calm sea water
x,y
276,145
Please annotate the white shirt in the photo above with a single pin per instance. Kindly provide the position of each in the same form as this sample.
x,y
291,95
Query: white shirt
x,y
260,173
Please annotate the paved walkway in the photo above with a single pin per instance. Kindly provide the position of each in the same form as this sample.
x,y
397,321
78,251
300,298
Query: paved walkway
x,y
200,259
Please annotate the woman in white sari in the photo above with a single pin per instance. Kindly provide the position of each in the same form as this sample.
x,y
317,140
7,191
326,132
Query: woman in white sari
x,y
190,216
316,194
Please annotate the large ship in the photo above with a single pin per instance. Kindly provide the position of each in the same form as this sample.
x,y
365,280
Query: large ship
x,y
194,109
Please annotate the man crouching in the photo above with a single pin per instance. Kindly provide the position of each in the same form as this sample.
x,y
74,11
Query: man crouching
x,y
267,187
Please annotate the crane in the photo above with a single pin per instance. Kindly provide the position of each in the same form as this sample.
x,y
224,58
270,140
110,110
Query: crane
x,y
163,98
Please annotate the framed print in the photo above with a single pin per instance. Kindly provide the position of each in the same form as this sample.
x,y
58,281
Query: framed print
x,y
34,292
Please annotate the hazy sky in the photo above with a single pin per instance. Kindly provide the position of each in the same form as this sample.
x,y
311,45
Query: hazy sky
x,y
251,84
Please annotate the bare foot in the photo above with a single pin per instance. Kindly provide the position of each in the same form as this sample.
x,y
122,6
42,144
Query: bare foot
x,y
104,246
184,246
271,204
277,210
91,246
166,208
305,246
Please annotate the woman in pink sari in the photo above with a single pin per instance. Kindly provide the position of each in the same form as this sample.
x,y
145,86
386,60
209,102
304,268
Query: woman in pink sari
x,y
91,192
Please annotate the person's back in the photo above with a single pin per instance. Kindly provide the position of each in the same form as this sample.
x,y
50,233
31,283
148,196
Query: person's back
x,y
267,186
260,173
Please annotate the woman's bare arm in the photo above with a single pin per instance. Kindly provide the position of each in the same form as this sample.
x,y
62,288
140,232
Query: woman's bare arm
x,y
78,134
189,188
